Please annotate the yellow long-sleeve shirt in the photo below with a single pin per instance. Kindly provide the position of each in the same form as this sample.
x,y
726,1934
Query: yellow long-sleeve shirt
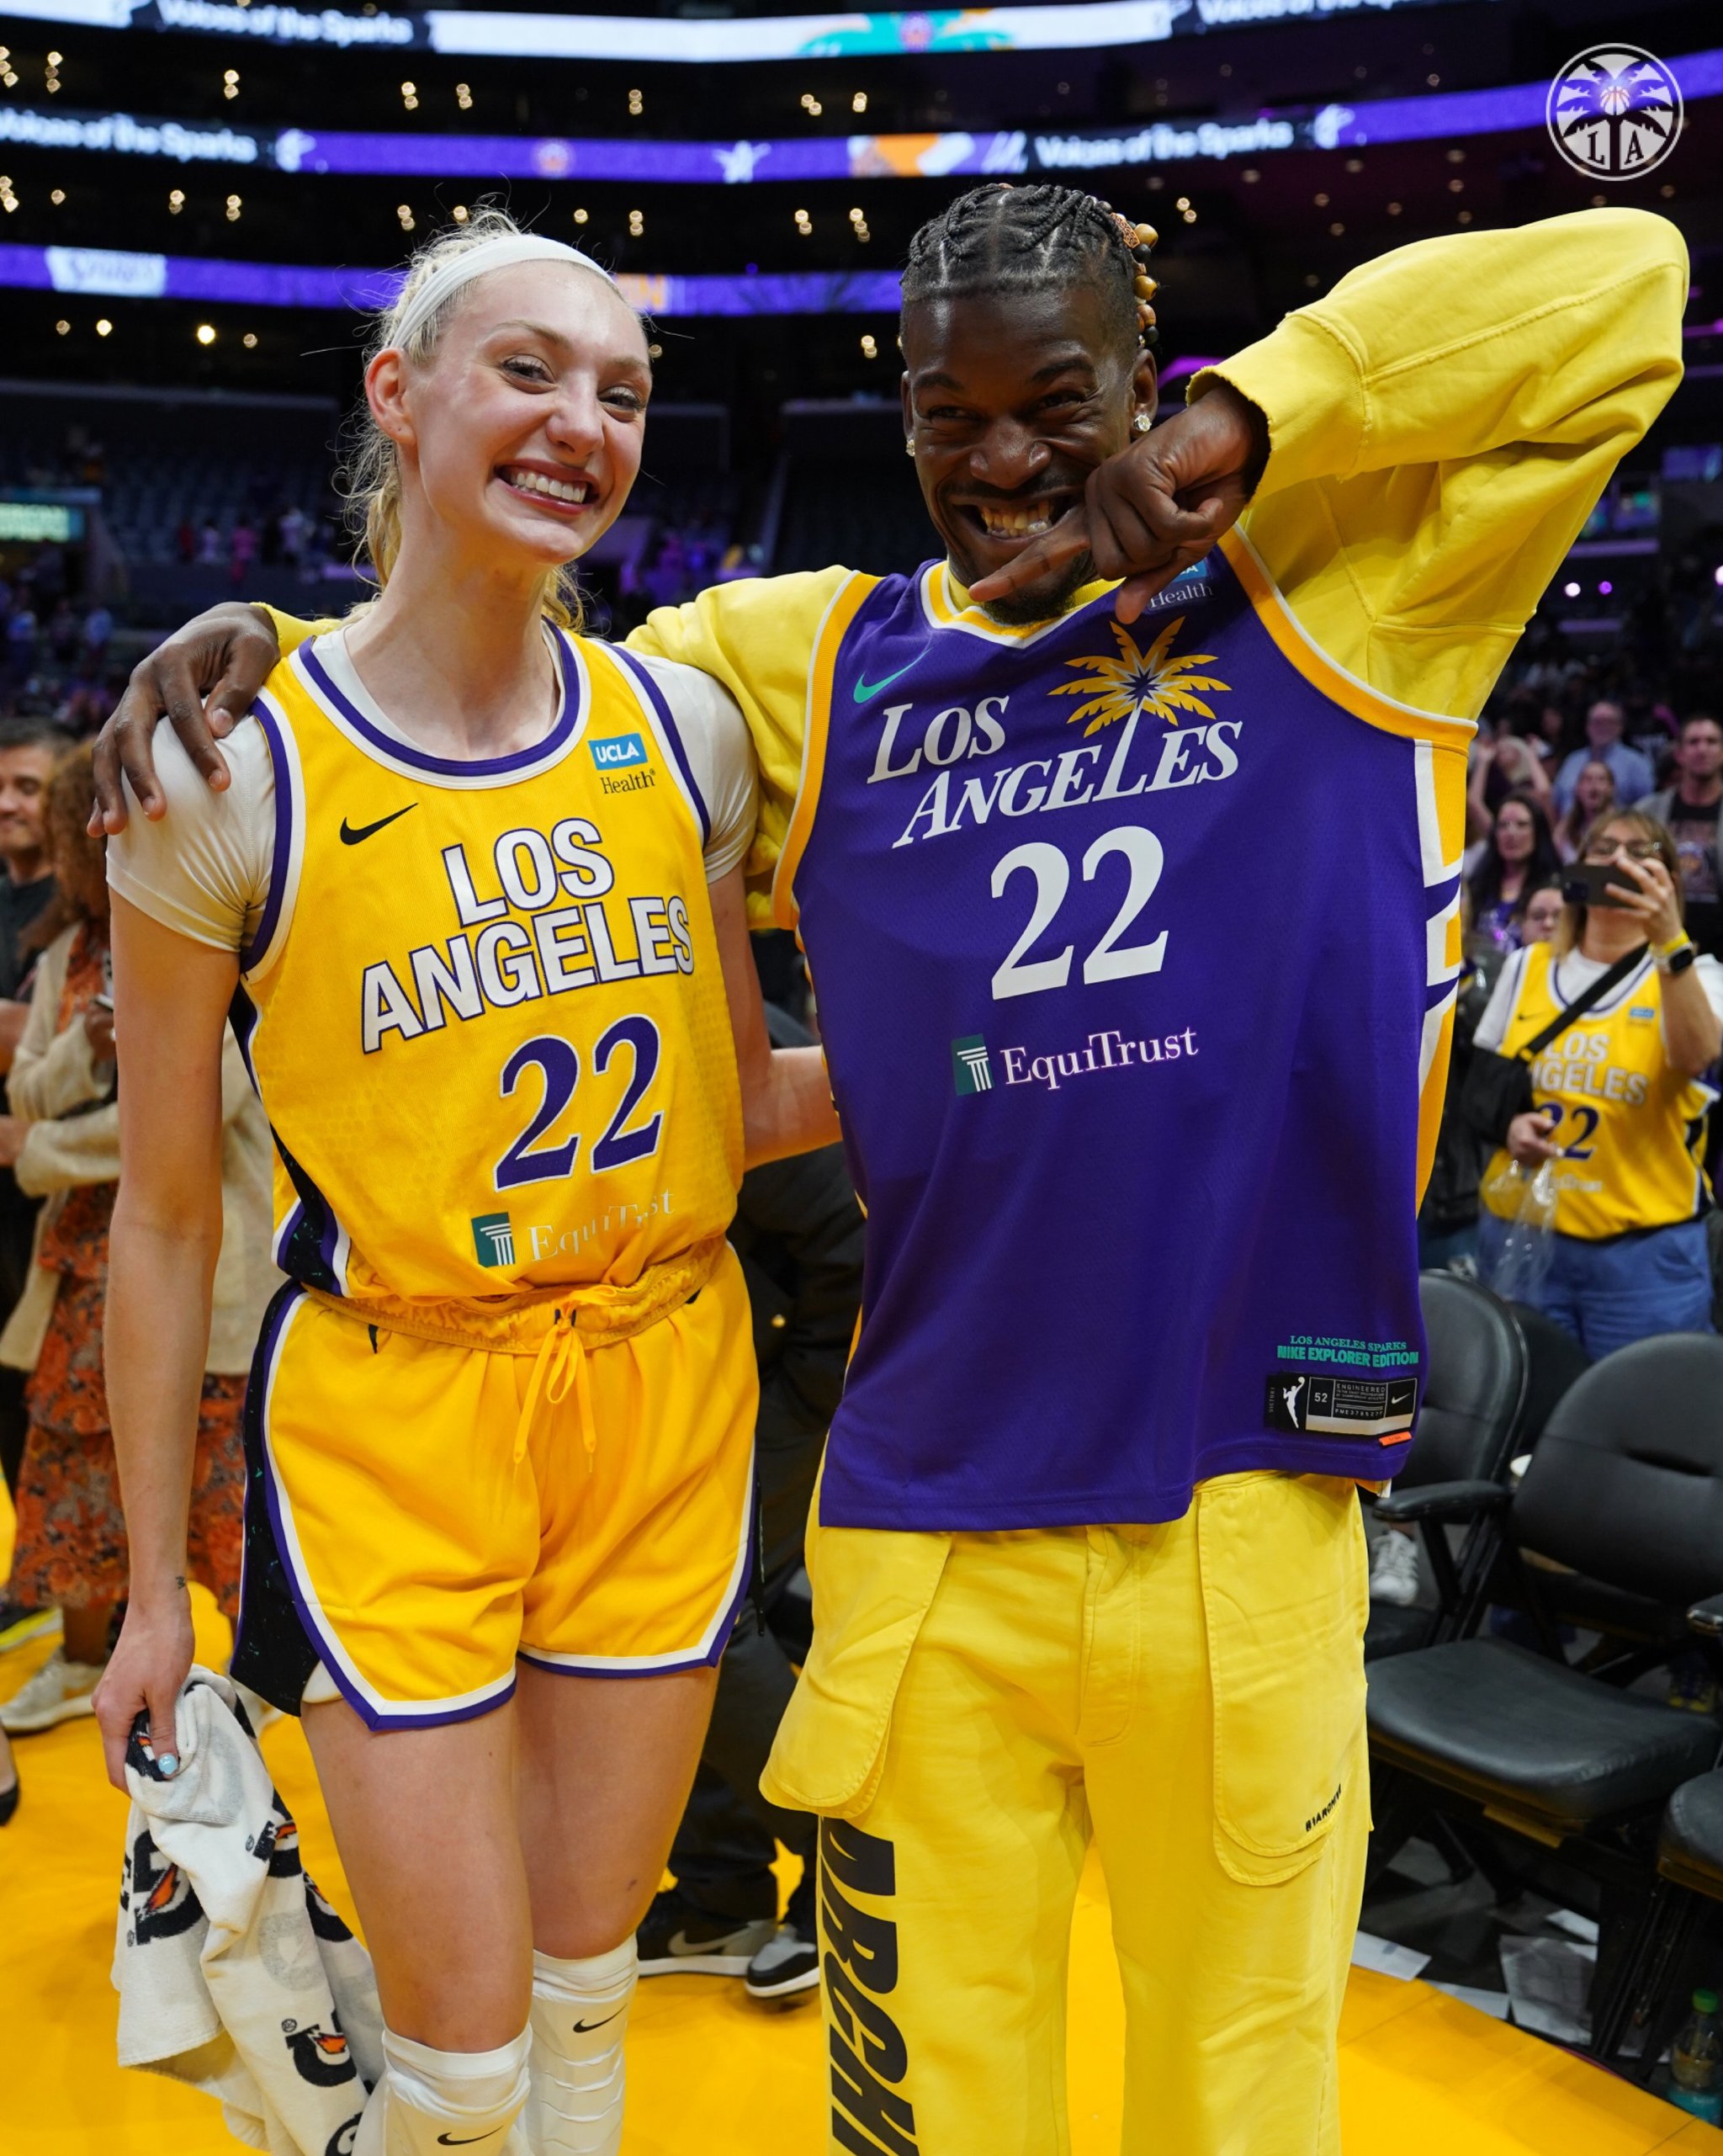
x,y
1440,426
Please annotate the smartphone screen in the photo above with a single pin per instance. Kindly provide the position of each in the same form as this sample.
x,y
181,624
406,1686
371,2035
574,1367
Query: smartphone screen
x,y
1595,883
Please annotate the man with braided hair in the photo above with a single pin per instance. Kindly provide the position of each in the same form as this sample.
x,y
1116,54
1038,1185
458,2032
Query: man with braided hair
x,y
1140,1136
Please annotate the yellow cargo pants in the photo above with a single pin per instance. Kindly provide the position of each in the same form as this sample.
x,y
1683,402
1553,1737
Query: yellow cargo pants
x,y
977,1707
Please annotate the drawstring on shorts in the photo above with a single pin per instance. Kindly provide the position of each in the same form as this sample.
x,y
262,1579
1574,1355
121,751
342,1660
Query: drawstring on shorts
x,y
559,1366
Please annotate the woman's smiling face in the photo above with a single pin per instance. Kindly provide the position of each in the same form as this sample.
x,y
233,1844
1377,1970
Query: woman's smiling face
x,y
522,435
1516,835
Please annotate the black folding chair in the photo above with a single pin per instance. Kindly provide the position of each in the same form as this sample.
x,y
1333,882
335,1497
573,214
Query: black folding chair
x,y
1626,1488
1468,1429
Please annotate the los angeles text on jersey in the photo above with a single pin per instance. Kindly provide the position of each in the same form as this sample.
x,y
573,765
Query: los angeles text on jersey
x,y
541,917
1112,770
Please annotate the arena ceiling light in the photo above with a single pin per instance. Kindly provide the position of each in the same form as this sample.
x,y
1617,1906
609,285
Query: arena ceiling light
x,y
1081,24
1012,151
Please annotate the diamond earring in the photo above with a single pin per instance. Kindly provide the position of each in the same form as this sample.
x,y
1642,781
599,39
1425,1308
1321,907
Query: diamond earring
x,y
909,448
1142,422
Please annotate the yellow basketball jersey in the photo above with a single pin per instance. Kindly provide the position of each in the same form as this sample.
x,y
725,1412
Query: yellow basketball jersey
x,y
1630,1129
484,1006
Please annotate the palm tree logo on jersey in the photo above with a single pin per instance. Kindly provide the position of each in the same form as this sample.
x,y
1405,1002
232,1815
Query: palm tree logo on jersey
x,y
1141,680
1615,111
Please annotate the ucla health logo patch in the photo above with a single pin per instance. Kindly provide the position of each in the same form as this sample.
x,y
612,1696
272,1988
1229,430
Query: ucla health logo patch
x,y
971,1071
619,752
494,1239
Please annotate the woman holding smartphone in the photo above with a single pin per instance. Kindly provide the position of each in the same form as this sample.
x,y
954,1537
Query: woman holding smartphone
x,y
1618,1102
474,898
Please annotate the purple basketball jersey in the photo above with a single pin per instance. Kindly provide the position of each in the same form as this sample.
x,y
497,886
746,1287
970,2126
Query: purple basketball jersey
x,y
1133,957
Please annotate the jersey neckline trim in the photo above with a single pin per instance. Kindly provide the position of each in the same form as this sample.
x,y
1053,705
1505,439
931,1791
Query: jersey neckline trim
x,y
401,755
1631,986
940,609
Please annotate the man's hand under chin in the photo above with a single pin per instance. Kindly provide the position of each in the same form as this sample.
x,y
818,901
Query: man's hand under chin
x,y
205,679
1155,507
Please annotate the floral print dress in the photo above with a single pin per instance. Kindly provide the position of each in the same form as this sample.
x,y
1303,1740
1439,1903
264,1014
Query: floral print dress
x,y
71,1548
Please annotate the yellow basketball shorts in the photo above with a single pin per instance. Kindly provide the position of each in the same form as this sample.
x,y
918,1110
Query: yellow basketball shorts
x,y
412,1526
978,1708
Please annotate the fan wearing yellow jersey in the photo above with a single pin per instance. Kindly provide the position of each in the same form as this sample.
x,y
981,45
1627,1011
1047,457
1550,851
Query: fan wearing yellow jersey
x,y
1619,1099
473,900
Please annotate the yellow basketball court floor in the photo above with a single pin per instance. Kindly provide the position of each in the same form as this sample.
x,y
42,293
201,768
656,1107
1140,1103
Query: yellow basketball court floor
x,y
710,2073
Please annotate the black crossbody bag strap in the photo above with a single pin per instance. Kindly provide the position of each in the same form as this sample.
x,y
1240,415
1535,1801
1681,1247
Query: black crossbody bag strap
x,y
1497,1087
1586,1000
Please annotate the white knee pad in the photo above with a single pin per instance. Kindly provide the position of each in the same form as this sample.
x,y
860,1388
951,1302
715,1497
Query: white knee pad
x,y
431,2101
580,2018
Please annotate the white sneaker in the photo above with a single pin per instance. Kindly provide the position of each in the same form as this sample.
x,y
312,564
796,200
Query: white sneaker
x,y
1394,1571
58,1691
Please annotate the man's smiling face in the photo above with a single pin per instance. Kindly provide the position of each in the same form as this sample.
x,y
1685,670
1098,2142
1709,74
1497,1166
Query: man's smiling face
x,y
1011,399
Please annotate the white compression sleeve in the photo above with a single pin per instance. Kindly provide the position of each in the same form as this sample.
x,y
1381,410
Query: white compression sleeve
x,y
580,2018
430,2101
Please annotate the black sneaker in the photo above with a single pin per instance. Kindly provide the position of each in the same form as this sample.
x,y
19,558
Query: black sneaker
x,y
677,1939
789,1960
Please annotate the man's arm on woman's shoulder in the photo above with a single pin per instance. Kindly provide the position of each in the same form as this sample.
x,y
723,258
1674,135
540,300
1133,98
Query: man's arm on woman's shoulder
x,y
202,680
757,636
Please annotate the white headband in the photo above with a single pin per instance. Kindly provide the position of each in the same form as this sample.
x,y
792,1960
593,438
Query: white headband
x,y
500,253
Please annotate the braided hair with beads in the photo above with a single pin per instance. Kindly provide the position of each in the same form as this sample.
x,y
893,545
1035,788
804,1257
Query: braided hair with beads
x,y
1016,239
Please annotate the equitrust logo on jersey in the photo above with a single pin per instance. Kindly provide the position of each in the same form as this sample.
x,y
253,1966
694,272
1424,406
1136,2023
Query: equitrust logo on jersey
x,y
970,1070
494,1239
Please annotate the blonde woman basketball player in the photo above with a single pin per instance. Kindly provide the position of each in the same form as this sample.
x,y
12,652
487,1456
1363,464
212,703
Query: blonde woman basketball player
x,y
501,1421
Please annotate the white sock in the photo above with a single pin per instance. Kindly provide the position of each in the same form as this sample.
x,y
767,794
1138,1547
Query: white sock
x,y
429,2101
580,2018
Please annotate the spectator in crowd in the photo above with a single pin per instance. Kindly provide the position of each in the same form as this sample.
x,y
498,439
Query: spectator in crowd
x,y
30,749
242,544
799,1233
1518,852
21,638
1631,771
1540,913
291,526
1550,735
62,633
210,544
1617,1107
185,540
1692,808
86,704
1593,796
63,1141
98,627
1507,765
